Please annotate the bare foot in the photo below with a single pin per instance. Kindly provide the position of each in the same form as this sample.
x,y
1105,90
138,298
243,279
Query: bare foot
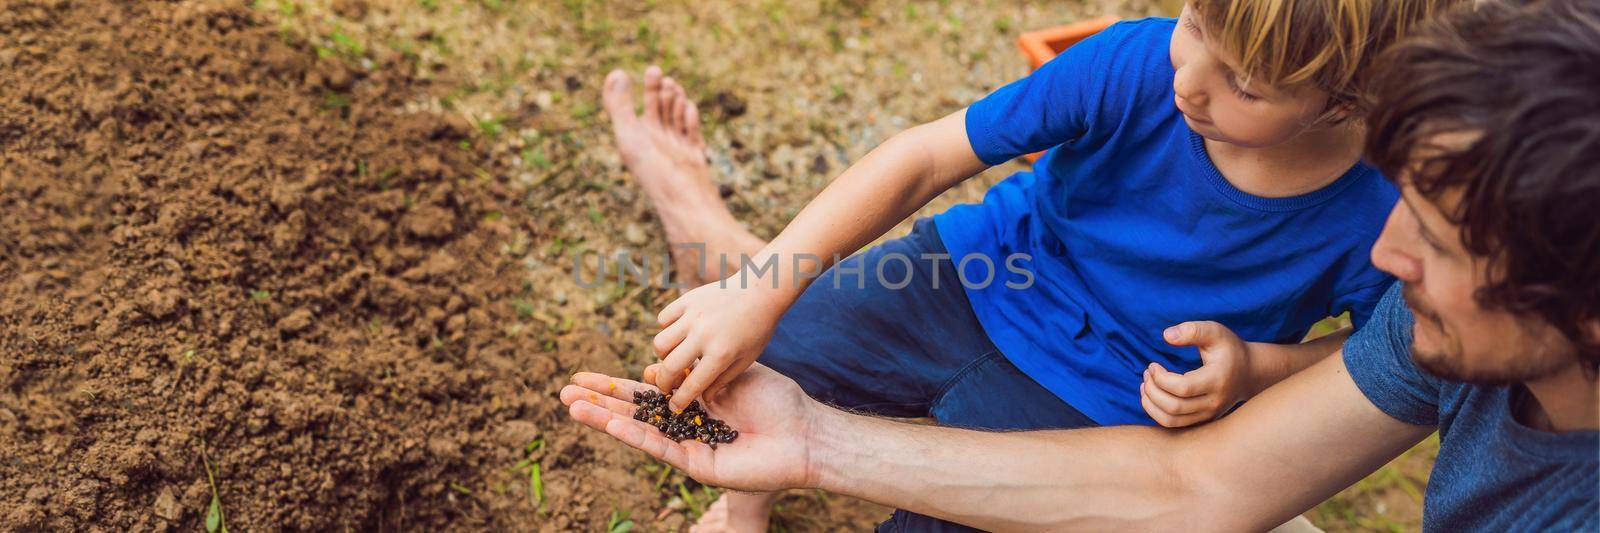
x,y
737,512
663,149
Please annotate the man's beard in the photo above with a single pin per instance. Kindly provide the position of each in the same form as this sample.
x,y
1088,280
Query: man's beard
x,y
1532,364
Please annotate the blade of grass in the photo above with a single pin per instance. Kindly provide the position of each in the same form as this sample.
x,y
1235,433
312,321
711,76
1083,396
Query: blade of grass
x,y
216,522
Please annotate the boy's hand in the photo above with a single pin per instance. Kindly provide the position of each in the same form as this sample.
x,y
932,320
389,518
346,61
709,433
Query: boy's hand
x,y
724,325
1223,379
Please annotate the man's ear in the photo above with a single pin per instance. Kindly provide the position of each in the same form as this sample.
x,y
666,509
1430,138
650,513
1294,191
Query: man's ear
x,y
1590,362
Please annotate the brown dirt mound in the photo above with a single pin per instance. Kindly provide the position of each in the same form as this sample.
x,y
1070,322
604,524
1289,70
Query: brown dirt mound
x,y
217,244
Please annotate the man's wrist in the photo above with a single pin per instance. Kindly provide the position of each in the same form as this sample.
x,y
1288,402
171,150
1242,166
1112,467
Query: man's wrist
x,y
830,432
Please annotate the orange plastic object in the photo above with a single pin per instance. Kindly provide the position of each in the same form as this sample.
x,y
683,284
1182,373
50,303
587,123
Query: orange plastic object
x,y
1043,45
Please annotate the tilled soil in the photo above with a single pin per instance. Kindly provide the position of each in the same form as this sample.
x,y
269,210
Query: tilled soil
x,y
219,247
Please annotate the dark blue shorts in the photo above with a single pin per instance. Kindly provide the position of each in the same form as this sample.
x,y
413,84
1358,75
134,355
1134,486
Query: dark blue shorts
x,y
856,341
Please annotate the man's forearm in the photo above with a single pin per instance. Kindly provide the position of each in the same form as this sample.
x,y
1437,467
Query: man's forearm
x,y
1294,445
1094,479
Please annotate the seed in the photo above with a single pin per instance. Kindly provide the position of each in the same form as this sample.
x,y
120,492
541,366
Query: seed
x,y
691,423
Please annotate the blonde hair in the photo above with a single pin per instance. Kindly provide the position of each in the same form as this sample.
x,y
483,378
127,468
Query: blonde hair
x,y
1329,44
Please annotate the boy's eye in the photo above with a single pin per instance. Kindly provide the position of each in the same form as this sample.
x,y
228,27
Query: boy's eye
x,y
1189,23
1233,83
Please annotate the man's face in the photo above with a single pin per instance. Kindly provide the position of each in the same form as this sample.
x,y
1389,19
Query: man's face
x,y
1454,337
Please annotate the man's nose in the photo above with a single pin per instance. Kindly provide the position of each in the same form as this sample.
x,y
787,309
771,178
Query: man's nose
x,y
1396,252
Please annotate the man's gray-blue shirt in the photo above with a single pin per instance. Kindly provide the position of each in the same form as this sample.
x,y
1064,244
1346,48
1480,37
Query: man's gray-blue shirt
x,y
1493,473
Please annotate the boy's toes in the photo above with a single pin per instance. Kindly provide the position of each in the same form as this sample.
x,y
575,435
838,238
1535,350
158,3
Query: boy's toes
x,y
652,94
680,109
671,100
617,97
691,124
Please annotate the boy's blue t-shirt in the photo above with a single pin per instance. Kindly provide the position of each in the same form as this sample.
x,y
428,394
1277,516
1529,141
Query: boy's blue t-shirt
x,y
1131,229
1493,473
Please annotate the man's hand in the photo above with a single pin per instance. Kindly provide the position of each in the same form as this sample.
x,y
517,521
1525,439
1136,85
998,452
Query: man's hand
x,y
1224,378
724,326
772,415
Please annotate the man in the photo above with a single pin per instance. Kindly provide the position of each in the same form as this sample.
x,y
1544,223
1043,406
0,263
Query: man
x,y
1491,124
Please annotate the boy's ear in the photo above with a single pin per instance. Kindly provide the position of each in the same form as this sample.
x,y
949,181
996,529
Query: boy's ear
x,y
1337,112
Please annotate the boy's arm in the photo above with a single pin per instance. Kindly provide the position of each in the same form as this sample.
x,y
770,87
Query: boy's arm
x,y
725,325
893,181
1232,371
1271,363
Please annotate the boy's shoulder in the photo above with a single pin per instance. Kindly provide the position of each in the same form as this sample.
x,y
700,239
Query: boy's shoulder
x,y
1143,33
1130,73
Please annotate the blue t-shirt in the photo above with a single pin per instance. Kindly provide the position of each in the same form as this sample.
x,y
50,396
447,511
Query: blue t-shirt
x,y
1131,229
1493,473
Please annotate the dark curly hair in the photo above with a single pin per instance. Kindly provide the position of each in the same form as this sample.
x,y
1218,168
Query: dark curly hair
x,y
1523,80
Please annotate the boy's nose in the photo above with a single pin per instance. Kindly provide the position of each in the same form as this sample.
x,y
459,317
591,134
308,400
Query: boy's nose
x,y
1187,90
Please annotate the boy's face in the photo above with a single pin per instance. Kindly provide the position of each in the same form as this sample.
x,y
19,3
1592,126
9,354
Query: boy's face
x,y
1453,336
1216,102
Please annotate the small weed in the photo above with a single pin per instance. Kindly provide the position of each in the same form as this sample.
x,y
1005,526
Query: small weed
x,y
260,295
332,100
347,46
662,479
429,5
458,488
216,522
557,246
1002,25
383,178
535,158
188,356
583,110
492,126
535,477
619,522
523,307
697,506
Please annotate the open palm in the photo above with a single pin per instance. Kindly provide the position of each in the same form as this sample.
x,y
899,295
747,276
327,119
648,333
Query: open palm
x,y
771,413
